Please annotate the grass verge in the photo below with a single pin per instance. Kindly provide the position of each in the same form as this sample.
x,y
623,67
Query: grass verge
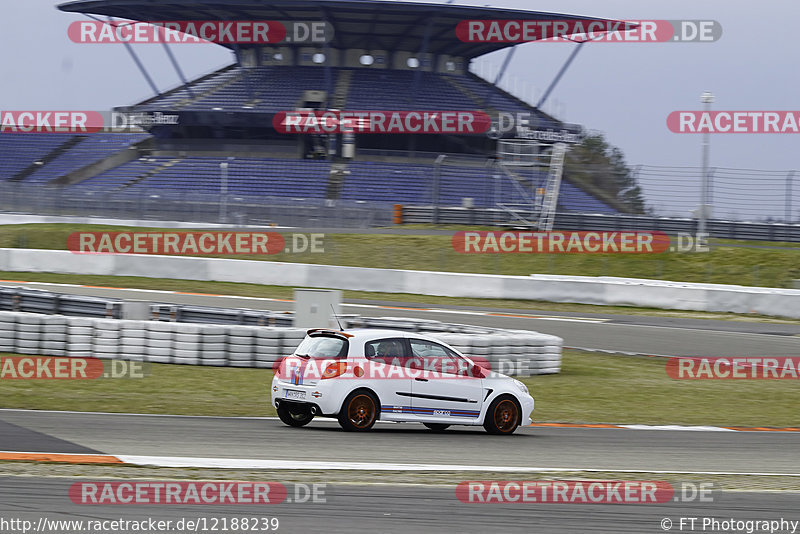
x,y
729,262
592,388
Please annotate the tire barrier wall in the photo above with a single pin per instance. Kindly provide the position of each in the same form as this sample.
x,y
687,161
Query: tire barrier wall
x,y
579,289
510,352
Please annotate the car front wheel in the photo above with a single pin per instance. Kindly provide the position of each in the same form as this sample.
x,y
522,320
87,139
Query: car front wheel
x,y
359,411
296,416
502,417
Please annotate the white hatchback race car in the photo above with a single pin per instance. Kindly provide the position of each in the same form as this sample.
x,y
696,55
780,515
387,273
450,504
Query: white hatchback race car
x,y
361,376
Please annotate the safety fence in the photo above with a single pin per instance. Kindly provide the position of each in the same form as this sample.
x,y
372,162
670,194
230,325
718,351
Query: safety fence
x,y
193,206
510,352
721,229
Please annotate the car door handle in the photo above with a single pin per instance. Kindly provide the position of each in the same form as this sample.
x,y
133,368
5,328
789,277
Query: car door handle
x,y
421,379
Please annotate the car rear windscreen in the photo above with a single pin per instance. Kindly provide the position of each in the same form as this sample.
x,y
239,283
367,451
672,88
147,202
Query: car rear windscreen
x,y
323,347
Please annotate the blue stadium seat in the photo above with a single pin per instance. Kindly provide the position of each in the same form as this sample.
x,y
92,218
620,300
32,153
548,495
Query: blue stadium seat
x,y
412,184
92,148
19,150
246,177
274,89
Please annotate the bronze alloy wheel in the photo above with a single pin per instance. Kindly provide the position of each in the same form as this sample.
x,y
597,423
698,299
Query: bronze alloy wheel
x,y
503,416
359,412
506,415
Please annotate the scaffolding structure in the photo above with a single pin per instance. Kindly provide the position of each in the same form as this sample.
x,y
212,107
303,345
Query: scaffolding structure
x,y
535,170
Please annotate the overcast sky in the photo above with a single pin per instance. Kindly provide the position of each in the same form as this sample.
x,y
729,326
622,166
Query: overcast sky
x,y
624,90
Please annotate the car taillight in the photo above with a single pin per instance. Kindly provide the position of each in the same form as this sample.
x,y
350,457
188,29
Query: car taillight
x,y
334,369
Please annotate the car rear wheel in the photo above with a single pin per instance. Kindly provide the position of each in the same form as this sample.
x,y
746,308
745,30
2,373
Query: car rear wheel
x,y
437,427
359,411
296,416
502,417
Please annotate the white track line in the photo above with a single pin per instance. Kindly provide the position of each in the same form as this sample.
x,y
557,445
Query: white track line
x,y
300,465
679,428
236,463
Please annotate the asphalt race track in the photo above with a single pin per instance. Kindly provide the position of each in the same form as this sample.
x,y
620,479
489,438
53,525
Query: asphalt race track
x,y
399,509
323,440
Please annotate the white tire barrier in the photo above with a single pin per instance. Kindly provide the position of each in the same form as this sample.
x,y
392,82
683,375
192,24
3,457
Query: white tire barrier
x,y
54,335
515,352
133,340
80,331
215,344
8,331
106,340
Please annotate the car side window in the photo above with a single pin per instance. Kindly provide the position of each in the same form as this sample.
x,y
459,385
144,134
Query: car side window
x,y
438,358
391,351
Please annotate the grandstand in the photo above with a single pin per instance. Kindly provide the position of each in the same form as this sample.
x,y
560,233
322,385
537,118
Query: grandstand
x,y
383,56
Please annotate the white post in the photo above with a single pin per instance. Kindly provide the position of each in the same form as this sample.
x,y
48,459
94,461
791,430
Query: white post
x,y
707,98
223,192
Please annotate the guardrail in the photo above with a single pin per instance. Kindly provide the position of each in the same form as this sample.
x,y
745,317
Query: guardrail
x,y
38,301
209,315
519,353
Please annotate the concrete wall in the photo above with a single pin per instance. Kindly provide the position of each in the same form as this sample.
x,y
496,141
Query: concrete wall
x,y
553,288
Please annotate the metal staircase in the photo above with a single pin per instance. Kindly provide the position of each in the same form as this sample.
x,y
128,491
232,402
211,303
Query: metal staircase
x,y
552,188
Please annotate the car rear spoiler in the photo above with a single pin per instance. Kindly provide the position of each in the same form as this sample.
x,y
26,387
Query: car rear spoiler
x,y
328,331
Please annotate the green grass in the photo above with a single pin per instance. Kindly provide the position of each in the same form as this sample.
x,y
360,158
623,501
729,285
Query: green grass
x,y
176,389
626,389
591,389
725,264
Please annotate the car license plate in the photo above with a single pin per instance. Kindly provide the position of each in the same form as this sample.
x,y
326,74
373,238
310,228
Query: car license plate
x,y
295,394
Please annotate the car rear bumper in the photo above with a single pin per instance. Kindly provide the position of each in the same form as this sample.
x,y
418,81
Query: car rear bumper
x,y
320,396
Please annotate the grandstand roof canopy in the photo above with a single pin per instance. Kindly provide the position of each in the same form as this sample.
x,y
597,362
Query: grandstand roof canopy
x,y
370,24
